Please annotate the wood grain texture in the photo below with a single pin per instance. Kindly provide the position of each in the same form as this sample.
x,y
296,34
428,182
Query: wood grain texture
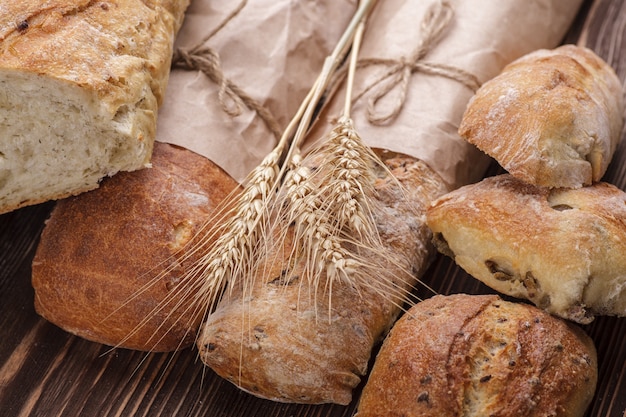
x,y
47,372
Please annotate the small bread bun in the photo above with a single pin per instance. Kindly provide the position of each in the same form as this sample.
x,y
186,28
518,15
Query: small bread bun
x,y
481,356
552,118
94,269
562,249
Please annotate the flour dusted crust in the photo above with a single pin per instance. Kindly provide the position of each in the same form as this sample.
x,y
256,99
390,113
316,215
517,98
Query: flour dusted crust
x,y
552,118
562,249
94,267
279,341
81,84
465,355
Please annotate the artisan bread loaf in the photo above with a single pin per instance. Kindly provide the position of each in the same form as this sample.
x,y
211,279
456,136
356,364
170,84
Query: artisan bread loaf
x,y
552,118
287,341
465,355
81,83
109,261
562,249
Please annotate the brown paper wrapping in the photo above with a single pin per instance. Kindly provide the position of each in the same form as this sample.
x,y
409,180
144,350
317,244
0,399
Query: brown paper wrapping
x,y
274,51
481,38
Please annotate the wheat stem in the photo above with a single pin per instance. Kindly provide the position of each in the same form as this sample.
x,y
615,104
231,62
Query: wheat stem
x,y
354,56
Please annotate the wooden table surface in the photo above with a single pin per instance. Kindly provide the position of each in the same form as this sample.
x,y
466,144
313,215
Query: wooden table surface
x,y
45,371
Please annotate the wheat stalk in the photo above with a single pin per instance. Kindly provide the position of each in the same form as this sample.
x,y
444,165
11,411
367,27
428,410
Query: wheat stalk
x,y
331,209
243,229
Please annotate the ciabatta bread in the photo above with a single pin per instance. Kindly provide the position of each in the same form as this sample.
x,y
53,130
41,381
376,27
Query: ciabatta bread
x,y
562,249
97,269
81,83
552,118
281,340
477,356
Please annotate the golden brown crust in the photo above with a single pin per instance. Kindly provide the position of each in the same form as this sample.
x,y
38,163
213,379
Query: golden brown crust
x,y
109,47
480,356
281,343
552,118
560,248
99,249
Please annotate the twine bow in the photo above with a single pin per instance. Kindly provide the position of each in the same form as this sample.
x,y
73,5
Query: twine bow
x,y
398,75
231,97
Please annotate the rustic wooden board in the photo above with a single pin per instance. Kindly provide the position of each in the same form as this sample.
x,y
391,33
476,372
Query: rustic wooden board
x,y
45,371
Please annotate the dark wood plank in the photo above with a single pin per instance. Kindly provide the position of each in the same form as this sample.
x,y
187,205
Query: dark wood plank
x,y
604,32
47,372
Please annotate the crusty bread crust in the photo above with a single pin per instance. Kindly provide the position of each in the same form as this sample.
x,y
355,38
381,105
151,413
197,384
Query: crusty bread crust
x,y
82,82
464,355
552,118
98,251
562,249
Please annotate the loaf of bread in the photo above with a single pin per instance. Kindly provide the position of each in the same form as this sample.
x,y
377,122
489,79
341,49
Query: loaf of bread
x,y
281,340
551,118
95,269
81,83
466,355
562,249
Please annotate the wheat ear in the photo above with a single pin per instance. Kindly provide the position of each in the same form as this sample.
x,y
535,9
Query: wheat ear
x,y
233,254
316,233
349,179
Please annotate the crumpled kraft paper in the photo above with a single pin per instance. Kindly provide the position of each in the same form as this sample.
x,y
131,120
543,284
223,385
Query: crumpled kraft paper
x,y
271,49
481,38
274,50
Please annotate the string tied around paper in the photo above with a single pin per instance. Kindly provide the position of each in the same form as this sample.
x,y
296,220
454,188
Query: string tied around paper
x,y
231,97
399,71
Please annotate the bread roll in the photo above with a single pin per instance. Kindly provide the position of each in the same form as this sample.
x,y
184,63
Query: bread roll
x,y
279,340
81,82
562,249
464,355
552,118
94,267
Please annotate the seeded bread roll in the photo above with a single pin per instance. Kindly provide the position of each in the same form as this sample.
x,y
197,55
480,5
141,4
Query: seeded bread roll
x,y
94,267
552,118
562,249
464,355
81,83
